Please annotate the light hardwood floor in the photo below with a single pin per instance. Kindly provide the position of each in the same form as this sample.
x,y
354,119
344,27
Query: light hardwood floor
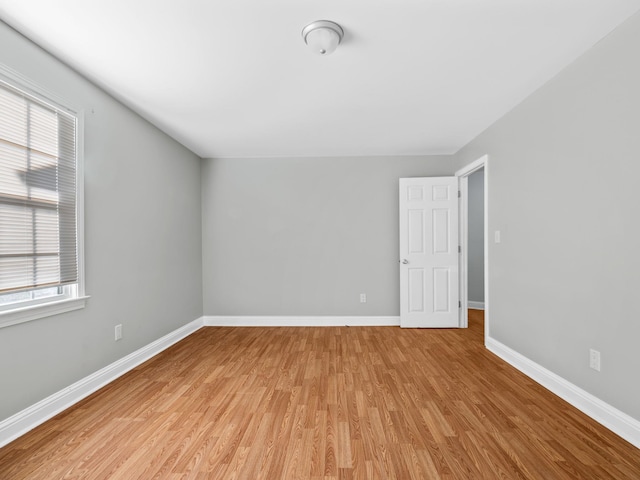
x,y
323,403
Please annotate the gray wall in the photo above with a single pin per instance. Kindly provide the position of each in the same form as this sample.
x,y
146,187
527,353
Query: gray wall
x,y
563,190
142,242
475,261
304,236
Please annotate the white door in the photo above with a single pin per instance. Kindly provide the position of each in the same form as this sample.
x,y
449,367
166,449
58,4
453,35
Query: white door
x,y
429,290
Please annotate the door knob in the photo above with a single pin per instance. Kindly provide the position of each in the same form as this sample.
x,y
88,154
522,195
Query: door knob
x,y
405,261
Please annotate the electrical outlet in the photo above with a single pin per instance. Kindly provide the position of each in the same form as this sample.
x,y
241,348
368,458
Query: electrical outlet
x,y
118,332
363,298
594,359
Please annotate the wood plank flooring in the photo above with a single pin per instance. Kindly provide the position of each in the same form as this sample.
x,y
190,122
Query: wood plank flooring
x,y
322,404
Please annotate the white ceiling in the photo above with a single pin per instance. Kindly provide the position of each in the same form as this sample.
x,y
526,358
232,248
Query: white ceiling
x,y
233,78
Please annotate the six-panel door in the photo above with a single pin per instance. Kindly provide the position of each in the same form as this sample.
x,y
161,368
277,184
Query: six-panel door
x,y
429,252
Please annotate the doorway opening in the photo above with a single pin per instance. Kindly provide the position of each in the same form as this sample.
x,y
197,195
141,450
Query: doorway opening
x,y
474,291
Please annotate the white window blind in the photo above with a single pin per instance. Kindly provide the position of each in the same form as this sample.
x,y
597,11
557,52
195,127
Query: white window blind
x,y
38,221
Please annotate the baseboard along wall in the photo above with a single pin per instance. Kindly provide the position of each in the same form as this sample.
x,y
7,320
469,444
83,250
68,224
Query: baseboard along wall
x,y
29,418
38,413
618,422
300,321
475,305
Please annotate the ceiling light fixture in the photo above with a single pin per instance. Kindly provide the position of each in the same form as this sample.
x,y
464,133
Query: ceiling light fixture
x,y
323,36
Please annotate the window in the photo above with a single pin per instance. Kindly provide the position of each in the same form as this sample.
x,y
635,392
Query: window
x,y
40,268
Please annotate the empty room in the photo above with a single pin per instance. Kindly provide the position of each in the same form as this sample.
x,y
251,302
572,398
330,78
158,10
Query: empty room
x,y
319,240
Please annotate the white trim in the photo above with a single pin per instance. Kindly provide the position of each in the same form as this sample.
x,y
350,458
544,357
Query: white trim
x,y
80,200
54,306
299,321
476,305
463,174
29,418
472,167
463,241
33,312
485,159
35,89
618,422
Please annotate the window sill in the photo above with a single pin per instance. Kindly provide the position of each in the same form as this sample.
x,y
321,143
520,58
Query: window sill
x,y
34,312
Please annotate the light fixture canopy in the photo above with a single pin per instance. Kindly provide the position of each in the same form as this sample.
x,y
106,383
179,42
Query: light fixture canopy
x,y
323,36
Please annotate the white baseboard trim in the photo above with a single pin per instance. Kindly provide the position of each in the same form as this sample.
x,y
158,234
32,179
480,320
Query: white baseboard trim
x,y
29,418
475,305
618,422
299,321
17,425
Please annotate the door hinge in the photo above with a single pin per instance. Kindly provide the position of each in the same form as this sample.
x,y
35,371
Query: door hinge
x,y
459,248
459,194
459,304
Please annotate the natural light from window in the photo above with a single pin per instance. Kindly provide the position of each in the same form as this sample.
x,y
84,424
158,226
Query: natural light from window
x,y
39,261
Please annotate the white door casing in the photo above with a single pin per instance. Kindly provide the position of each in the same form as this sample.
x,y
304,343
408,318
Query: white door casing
x,y
429,288
463,174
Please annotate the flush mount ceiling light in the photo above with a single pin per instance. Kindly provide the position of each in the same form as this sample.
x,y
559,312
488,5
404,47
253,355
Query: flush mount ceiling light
x,y
323,36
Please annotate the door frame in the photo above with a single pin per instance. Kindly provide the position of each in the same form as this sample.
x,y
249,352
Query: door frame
x,y
463,186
